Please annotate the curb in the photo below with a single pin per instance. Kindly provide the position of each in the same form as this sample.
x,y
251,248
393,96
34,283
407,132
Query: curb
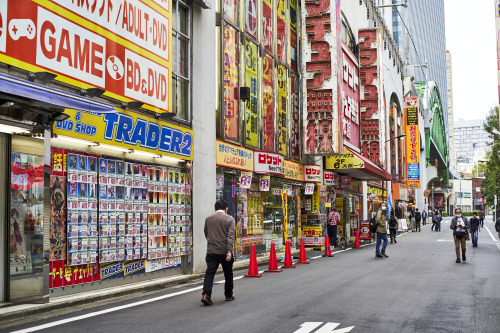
x,y
114,292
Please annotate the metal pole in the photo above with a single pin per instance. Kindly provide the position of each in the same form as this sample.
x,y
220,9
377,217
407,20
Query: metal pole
x,y
433,199
461,194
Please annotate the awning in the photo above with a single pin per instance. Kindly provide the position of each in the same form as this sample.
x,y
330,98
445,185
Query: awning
x,y
51,96
370,171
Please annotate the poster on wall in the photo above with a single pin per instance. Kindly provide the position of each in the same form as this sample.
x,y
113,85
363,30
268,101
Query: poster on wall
x,y
268,102
309,190
282,109
251,13
281,35
231,83
294,117
245,180
267,25
293,35
58,192
264,183
251,80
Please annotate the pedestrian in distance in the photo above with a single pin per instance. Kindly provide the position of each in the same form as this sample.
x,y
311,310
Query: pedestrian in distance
x,y
459,225
219,232
393,226
434,221
497,227
424,217
412,220
418,218
333,220
475,228
481,217
381,232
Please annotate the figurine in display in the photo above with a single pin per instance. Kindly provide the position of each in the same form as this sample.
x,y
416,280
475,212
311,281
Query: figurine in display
x,y
14,214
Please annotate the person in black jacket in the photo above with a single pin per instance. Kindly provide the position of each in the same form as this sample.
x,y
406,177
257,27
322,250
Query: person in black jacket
x,y
393,226
497,226
475,227
418,218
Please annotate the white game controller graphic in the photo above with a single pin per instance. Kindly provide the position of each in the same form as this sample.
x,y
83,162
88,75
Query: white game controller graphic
x,y
22,28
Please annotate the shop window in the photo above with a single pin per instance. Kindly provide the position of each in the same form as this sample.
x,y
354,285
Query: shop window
x,y
26,215
181,59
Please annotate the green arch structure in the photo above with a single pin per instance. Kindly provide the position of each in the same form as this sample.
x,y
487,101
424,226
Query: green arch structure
x,y
436,147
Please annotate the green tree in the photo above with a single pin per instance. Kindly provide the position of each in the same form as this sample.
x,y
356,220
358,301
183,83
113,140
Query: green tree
x,y
479,169
491,181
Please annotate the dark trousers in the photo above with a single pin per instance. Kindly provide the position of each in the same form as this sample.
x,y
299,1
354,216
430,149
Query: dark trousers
x,y
438,226
417,225
481,221
332,234
393,234
213,261
424,220
433,225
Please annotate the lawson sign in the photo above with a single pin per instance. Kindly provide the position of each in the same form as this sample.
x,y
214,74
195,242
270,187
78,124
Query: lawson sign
x,y
128,130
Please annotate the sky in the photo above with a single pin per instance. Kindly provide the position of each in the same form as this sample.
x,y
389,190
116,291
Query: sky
x,y
471,40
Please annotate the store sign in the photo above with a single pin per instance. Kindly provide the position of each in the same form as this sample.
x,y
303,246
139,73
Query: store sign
x,y
312,173
128,130
346,161
350,99
231,83
345,181
412,142
246,180
330,178
377,191
294,171
264,183
309,189
124,48
370,100
269,163
321,61
282,109
61,275
233,156
364,231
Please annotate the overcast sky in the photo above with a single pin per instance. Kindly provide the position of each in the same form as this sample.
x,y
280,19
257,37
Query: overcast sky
x,y
471,39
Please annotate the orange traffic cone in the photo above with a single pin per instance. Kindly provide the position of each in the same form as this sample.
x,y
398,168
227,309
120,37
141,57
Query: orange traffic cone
x,y
302,255
356,242
288,257
328,251
253,270
273,263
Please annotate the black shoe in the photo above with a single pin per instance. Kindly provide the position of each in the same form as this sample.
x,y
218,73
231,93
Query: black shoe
x,y
391,242
385,255
463,258
230,298
458,261
205,299
395,241
379,256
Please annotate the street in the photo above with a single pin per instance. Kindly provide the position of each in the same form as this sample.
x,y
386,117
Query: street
x,y
419,288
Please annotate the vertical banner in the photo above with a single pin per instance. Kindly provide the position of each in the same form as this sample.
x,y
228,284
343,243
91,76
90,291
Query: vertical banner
x,y
268,102
281,39
350,99
412,142
57,238
231,96
267,25
251,119
319,64
293,35
251,14
284,204
294,118
282,109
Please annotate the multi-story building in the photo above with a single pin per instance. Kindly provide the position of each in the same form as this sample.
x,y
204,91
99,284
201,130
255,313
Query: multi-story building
x,y
477,198
451,120
471,144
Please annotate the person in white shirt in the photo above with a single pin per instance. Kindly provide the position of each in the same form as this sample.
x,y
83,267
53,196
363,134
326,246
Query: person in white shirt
x,y
459,225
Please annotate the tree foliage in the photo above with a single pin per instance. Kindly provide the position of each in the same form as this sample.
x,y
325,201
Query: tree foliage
x,y
491,181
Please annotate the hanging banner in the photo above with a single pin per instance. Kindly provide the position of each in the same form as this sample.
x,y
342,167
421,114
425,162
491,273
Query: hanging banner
x,y
350,99
268,102
282,109
284,205
294,117
281,35
122,46
246,180
412,142
231,83
293,34
309,189
251,119
251,12
267,25
294,171
233,156
128,130
269,163
264,183
312,173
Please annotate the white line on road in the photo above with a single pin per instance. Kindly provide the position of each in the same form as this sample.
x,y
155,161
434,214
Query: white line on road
x,y
492,237
445,240
97,313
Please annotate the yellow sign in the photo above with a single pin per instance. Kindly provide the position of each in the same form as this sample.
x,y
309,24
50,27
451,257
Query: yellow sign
x,y
128,130
378,191
284,203
412,143
312,231
233,156
294,171
346,161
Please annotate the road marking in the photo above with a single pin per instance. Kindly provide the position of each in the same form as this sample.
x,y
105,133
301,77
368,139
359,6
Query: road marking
x,y
492,237
98,313
445,240
317,257
310,326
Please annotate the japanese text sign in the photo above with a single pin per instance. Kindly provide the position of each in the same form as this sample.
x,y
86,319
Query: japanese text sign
x,y
269,163
346,161
330,178
294,171
412,142
312,173
350,99
233,156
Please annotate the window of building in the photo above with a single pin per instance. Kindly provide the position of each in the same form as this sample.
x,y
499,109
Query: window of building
x,y
181,59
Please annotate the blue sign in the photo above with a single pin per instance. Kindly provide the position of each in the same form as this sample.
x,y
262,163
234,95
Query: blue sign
x,y
413,171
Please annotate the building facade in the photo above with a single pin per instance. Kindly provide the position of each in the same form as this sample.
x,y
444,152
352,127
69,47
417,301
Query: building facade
x,y
451,119
471,144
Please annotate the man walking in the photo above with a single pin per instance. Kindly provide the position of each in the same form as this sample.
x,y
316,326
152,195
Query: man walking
x,y
393,226
424,217
333,220
474,229
497,226
219,232
418,218
481,217
459,225
381,232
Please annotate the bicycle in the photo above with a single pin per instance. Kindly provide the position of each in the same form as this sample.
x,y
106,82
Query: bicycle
x,y
342,242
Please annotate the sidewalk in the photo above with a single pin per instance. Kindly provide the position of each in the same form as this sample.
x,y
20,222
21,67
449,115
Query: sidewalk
x,y
16,311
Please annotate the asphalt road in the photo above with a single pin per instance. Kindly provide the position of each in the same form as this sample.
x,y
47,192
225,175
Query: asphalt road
x,y
419,288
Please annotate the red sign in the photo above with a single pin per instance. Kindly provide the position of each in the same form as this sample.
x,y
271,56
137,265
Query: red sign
x,y
37,36
269,163
312,173
369,75
350,99
61,275
331,179
364,232
345,181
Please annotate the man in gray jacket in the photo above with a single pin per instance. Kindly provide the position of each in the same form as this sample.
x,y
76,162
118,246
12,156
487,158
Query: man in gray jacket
x,y
219,232
459,225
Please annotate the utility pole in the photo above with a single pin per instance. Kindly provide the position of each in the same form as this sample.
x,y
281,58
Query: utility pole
x,y
461,194
433,199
